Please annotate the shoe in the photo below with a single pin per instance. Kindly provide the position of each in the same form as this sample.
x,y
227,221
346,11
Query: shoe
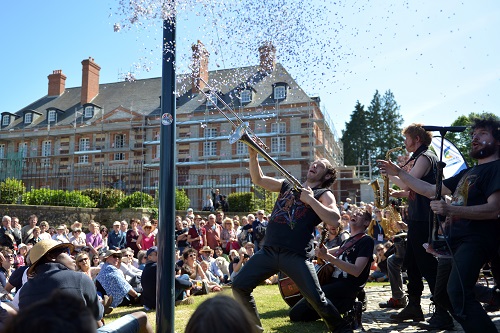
x,y
394,303
410,312
343,327
439,321
106,302
185,301
146,308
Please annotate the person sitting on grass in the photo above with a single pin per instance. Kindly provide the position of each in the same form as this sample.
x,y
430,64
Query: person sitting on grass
x,y
110,281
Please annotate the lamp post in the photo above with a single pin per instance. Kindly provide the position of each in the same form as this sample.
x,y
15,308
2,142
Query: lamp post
x,y
165,286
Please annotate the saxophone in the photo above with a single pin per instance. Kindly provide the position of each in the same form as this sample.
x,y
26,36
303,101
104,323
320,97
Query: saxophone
x,y
376,187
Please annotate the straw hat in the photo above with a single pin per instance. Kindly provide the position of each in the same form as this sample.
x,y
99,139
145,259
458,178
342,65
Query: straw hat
x,y
42,248
112,252
206,249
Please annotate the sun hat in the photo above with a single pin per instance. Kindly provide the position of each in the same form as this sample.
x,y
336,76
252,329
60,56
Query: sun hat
x,y
21,246
61,227
117,223
112,252
206,249
151,250
42,248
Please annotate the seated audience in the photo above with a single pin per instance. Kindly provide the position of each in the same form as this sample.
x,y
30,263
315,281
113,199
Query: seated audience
x,y
111,281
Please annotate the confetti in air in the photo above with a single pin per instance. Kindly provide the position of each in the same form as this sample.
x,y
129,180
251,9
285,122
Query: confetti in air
x,y
233,31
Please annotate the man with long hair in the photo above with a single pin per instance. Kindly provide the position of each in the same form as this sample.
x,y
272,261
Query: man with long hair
x,y
471,227
289,239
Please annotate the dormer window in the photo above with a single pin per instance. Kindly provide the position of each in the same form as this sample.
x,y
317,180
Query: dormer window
x,y
28,118
279,92
212,100
246,96
5,120
51,116
89,112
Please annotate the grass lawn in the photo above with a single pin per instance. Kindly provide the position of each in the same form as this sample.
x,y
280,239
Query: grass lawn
x,y
273,312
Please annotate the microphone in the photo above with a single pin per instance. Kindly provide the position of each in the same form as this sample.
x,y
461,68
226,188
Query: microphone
x,y
444,128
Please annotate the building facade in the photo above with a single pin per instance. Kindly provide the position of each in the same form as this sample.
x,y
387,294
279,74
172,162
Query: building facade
x,y
107,134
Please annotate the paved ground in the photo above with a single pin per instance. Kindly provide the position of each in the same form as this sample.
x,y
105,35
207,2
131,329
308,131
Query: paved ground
x,y
376,319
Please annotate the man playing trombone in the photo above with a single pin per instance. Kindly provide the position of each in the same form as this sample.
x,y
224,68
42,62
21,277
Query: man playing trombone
x,y
289,240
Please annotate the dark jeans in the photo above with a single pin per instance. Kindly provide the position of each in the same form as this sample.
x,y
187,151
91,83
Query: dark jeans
x,y
268,261
455,287
417,261
339,291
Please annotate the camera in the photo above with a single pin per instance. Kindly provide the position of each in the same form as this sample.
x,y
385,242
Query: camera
x,y
246,256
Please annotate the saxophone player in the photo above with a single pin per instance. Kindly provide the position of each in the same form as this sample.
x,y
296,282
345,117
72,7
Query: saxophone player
x,y
419,263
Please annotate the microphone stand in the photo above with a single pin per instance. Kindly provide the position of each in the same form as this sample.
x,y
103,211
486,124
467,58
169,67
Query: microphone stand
x,y
439,242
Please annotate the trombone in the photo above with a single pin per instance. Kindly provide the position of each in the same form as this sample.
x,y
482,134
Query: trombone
x,y
243,133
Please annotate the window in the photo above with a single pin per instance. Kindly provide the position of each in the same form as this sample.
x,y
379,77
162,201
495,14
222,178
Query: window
x,y
89,112
119,157
83,159
2,151
279,92
46,148
157,152
278,145
119,140
279,128
51,117
210,133
28,117
241,148
84,144
5,120
45,162
212,100
246,96
23,149
210,146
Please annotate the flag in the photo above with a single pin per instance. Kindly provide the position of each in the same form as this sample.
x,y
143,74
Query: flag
x,y
451,156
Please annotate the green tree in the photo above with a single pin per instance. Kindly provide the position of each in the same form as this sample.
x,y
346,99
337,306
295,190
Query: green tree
x,y
370,134
462,140
356,145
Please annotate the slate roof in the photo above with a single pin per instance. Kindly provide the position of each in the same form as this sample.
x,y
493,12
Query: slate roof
x,y
143,96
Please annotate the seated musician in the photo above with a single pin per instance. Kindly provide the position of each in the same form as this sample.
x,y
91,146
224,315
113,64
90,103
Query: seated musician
x,y
352,267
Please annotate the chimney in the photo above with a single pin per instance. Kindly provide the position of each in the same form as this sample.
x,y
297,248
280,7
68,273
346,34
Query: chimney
x,y
57,83
200,67
90,80
267,57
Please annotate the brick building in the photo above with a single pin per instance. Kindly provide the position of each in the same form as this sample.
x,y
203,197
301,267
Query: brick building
x,y
107,134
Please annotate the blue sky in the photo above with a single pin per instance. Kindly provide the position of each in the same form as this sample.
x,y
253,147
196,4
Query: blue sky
x,y
439,58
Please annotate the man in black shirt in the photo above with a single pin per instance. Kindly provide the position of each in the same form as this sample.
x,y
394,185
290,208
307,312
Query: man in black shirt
x,y
352,268
289,240
471,226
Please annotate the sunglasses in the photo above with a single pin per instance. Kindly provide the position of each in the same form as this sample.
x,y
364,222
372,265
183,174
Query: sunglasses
x,y
116,256
192,256
83,259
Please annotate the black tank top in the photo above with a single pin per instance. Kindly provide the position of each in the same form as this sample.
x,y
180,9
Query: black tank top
x,y
292,222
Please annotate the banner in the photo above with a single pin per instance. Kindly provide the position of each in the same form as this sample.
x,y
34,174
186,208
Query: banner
x,y
451,156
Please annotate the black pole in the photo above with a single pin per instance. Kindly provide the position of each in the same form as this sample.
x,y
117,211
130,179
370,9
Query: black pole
x,y
166,219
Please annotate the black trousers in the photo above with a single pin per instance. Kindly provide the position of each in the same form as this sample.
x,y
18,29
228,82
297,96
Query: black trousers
x,y
417,261
455,286
268,261
339,291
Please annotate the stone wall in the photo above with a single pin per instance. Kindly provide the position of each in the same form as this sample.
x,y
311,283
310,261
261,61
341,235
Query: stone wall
x,y
56,215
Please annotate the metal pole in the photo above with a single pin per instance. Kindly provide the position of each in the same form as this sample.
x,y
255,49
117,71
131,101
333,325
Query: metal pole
x,y
166,256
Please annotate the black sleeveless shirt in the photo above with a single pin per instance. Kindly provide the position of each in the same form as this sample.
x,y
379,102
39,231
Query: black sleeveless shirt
x,y
292,222
419,205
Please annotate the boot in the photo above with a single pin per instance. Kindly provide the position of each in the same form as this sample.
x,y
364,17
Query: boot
x,y
413,311
343,326
440,320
